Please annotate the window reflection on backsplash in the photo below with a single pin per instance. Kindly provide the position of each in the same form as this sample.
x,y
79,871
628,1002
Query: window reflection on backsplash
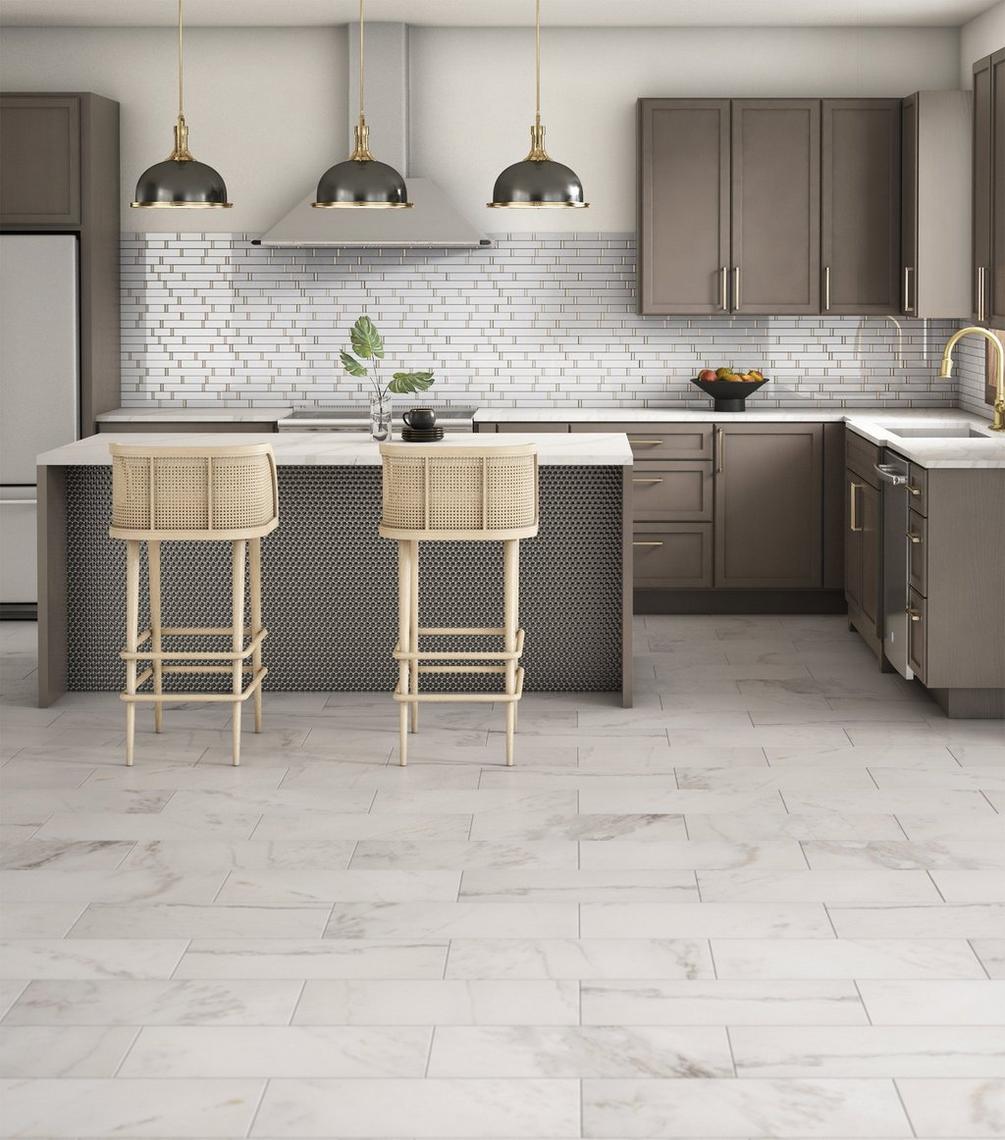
x,y
530,321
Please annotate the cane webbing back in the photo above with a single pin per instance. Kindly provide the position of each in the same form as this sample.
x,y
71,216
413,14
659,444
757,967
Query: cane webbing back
x,y
463,493
193,493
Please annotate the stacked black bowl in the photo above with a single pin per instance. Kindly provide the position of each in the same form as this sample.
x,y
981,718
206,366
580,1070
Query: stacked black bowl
x,y
729,395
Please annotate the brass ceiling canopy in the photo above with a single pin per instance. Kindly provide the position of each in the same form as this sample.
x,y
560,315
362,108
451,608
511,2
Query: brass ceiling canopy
x,y
181,182
361,181
538,181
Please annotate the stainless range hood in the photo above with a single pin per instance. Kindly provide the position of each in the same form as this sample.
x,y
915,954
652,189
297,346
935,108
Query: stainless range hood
x,y
434,220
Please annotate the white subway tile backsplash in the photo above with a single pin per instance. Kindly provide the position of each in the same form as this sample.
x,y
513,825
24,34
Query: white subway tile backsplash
x,y
542,320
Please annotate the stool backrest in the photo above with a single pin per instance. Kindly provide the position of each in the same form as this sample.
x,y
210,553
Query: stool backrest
x,y
435,491
193,492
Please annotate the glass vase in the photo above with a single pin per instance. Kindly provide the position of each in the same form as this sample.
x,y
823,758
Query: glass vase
x,y
380,418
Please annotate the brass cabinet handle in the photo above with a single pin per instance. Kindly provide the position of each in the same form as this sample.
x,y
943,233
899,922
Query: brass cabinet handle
x,y
827,288
914,538
853,524
647,480
723,288
908,270
720,450
736,288
653,543
912,489
645,442
912,613
981,308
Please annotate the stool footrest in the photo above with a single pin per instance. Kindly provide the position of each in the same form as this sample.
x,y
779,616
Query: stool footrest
x,y
462,655
486,698
218,698
207,655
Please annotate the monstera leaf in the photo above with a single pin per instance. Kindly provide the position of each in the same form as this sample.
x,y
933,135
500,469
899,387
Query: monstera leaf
x,y
366,341
351,364
405,382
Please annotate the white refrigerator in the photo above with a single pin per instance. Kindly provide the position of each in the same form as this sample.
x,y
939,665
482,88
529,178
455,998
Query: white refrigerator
x,y
39,391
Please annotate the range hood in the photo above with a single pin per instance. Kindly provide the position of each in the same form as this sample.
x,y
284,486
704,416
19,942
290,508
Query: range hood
x,y
434,220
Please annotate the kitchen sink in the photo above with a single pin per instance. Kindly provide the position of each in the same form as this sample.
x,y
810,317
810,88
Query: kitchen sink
x,y
961,432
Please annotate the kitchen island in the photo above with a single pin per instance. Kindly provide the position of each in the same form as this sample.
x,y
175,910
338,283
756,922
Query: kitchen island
x,y
329,580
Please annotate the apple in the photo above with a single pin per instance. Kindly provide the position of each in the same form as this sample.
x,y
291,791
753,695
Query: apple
x,y
706,374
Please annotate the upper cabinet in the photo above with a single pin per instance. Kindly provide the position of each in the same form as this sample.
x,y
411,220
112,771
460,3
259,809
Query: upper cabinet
x,y
997,267
769,206
935,198
860,206
981,230
40,160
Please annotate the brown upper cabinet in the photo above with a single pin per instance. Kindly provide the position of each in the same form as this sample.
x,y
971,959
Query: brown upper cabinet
x,y
773,206
860,205
40,160
997,268
981,233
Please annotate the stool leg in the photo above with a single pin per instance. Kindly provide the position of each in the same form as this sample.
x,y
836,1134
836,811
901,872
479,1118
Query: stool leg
x,y
154,589
511,588
255,574
413,639
239,550
132,638
404,637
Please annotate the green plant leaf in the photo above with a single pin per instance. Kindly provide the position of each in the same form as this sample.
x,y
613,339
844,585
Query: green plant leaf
x,y
366,341
351,364
405,382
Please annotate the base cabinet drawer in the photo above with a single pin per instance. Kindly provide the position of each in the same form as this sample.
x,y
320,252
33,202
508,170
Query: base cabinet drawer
x,y
917,553
917,613
917,486
673,555
677,492
661,440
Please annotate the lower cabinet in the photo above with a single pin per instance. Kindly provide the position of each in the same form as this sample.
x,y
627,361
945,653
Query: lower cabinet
x,y
863,540
675,555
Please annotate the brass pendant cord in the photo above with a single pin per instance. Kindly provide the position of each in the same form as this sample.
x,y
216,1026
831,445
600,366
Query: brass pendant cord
x,y
361,132
537,152
181,62
181,153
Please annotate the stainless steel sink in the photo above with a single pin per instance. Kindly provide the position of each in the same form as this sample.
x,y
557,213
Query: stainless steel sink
x,y
961,432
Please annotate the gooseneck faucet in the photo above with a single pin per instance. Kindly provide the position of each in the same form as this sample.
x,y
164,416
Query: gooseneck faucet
x,y
998,420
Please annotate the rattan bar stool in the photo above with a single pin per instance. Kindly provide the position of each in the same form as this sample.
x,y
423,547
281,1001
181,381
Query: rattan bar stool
x,y
457,494
193,494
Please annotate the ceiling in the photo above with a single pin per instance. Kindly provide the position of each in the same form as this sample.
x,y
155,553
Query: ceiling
x,y
497,13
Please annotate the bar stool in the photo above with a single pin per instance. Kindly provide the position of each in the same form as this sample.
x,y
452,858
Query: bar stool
x,y
440,493
193,494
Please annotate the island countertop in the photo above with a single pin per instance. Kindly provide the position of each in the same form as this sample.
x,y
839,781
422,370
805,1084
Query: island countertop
x,y
347,449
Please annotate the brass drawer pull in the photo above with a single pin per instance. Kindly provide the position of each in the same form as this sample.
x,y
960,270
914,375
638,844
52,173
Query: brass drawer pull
x,y
914,538
653,480
723,295
720,450
654,543
912,489
827,288
912,614
853,524
645,442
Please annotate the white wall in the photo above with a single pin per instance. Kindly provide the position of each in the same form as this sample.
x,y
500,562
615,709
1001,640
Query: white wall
x,y
265,106
473,91
983,35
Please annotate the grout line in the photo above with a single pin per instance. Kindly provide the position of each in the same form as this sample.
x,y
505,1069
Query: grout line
x,y
980,960
128,1050
928,872
865,1008
258,1107
910,1122
296,1004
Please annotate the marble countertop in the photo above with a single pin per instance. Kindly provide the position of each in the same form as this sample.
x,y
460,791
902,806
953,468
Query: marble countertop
x,y
193,415
347,449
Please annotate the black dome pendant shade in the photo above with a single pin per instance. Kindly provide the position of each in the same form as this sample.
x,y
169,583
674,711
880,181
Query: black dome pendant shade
x,y
360,181
180,181
538,182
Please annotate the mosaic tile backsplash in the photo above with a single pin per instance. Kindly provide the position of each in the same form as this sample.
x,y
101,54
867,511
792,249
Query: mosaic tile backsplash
x,y
532,321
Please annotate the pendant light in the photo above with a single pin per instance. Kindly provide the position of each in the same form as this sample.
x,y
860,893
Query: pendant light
x,y
537,182
180,181
361,181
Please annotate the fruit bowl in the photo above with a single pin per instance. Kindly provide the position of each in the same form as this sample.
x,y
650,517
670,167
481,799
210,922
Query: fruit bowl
x,y
729,395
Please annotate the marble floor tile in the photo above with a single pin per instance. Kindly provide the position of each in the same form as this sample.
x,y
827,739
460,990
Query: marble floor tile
x,y
694,854
580,1051
39,919
10,990
91,958
704,920
171,1052
991,952
965,920
143,827
63,1050
424,1110
869,1051
117,886
435,921
359,825
893,957
746,1108
463,855
970,886
283,887
520,827
935,827
47,855
311,958
585,886
579,958
901,855
127,1002
140,1108
721,1002
969,1108
390,1001
177,920
934,1002
766,884
180,857
802,826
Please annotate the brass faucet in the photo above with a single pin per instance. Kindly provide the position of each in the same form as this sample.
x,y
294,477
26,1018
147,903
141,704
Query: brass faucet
x,y
998,421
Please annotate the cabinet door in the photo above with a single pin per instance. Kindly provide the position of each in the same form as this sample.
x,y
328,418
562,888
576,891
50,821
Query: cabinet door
x,y
768,505
40,160
673,555
853,486
860,205
982,189
909,205
872,540
776,206
997,303
683,205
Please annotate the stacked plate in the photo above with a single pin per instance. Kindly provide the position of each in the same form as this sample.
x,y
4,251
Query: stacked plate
x,y
424,435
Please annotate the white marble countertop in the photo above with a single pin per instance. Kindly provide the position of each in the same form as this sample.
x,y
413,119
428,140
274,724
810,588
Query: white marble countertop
x,y
655,415
193,415
347,449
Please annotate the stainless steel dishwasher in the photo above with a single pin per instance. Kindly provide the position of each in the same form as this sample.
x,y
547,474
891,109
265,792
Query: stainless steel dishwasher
x,y
895,473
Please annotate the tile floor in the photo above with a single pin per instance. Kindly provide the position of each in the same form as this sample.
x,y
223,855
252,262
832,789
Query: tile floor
x,y
768,901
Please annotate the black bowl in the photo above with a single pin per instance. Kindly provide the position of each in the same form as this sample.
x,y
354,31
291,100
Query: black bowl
x,y
729,395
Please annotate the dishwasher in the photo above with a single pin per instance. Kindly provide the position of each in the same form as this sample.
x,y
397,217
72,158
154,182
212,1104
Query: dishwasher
x,y
897,490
